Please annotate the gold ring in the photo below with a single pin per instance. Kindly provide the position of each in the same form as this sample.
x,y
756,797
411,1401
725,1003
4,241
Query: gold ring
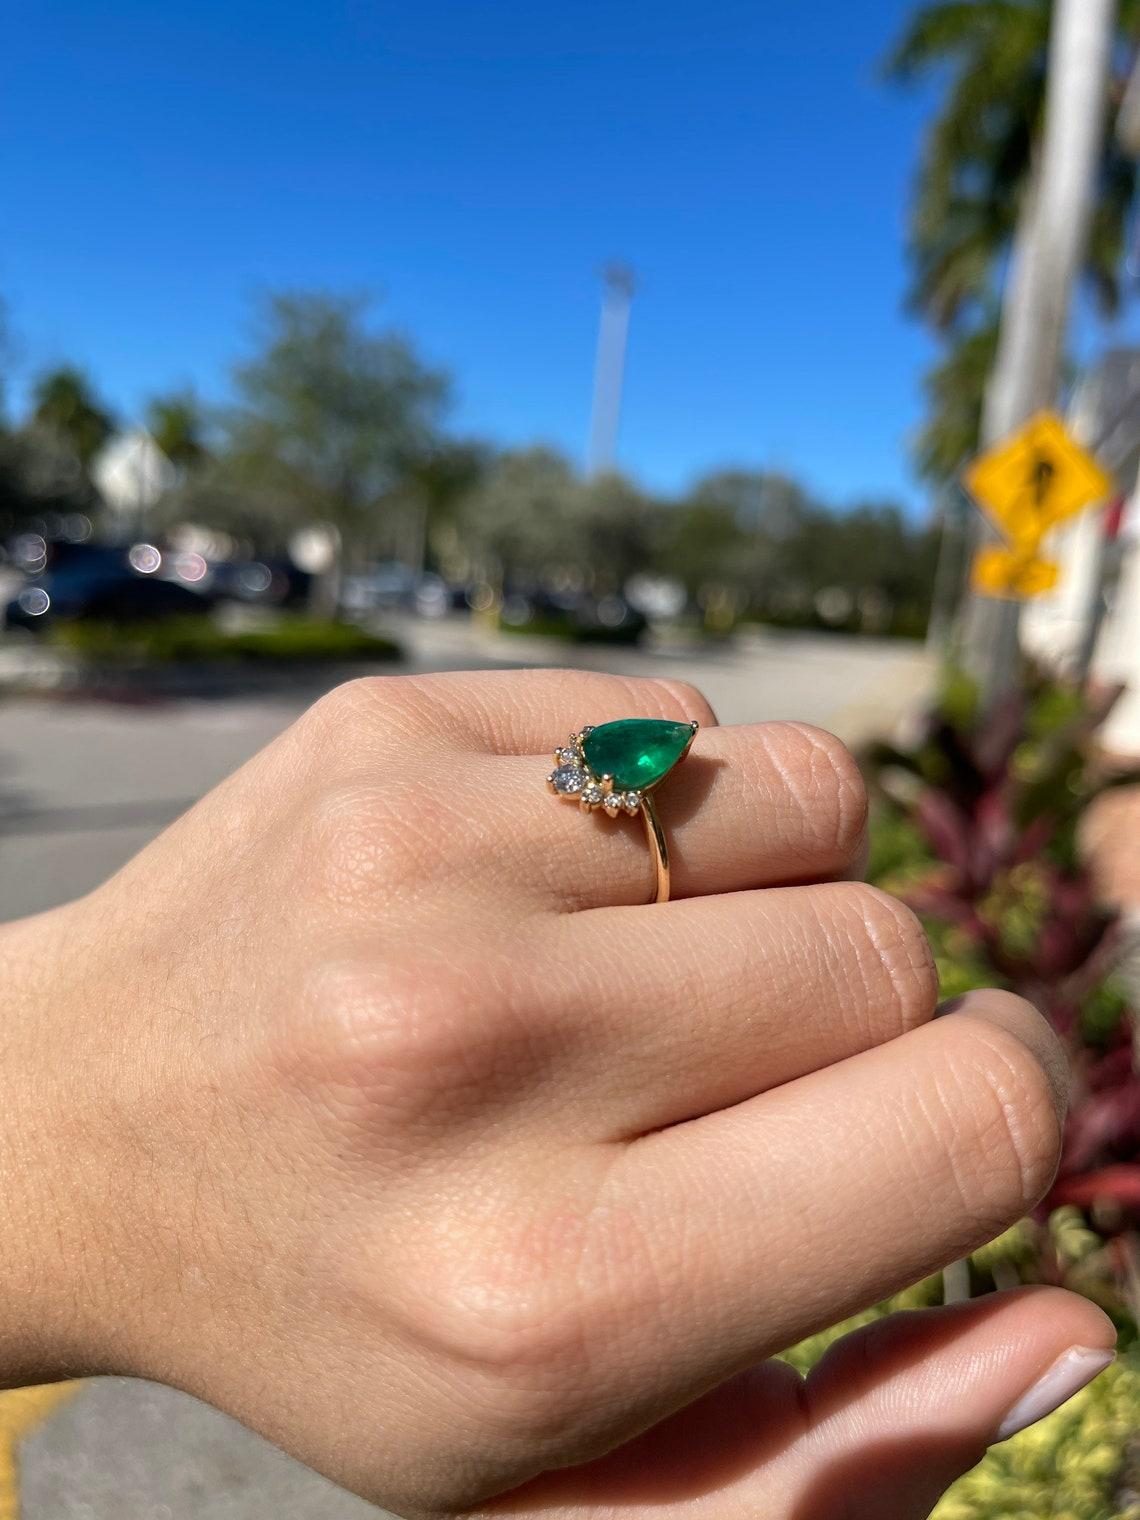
x,y
616,767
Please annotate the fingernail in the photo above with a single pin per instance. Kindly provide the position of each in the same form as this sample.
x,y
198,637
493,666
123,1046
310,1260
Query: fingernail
x,y
1068,1375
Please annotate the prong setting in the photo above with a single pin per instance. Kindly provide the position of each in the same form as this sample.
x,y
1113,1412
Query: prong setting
x,y
617,770
575,779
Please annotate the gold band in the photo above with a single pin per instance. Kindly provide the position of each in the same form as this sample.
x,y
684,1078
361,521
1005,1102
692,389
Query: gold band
x,y
655,837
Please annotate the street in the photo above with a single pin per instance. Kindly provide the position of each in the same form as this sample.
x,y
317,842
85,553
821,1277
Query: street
x,y
82,787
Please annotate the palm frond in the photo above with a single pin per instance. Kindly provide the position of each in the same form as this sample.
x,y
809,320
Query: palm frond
x,y
955,31
955,390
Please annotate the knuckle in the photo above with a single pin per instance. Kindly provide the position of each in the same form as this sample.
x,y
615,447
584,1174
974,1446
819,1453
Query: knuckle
x,y
1016,1123
536,1307
351,843
351,702
367,717
363,836
895,957
351,1016
422,1045
508,1320
822,774
379,1023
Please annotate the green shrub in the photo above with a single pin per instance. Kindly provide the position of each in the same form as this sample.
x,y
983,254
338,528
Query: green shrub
x,y
199,640
550,626
977,826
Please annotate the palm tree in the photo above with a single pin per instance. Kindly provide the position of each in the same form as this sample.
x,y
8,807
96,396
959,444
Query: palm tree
x,y
955,389
977,171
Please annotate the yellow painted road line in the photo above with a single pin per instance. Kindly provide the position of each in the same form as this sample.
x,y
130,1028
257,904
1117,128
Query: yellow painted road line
x,y
21,1410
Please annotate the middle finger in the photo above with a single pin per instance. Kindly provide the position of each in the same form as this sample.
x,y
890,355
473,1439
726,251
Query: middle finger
x,y
683,1009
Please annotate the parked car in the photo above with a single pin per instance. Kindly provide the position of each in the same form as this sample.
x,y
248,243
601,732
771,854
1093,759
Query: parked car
x,y
264,582
103,588
392,587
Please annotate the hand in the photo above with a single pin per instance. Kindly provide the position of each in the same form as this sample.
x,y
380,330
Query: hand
x,y
368,1104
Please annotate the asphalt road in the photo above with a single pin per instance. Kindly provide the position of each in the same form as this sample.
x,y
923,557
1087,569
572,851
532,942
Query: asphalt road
x,y
82,787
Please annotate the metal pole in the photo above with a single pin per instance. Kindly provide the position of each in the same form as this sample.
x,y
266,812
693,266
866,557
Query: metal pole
x,y
609,372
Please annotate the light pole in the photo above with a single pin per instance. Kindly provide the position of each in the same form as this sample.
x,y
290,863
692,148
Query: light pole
x,y
609,372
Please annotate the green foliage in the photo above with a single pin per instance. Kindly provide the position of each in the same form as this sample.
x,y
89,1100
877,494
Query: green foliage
x,y
789,560
544,625
955,390
988,58
200,641
66,407
976,826
1080,1463
45,462
178,425
331,415
523,518
338,423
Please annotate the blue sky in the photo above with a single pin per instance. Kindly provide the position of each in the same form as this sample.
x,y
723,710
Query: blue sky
x,y
475,162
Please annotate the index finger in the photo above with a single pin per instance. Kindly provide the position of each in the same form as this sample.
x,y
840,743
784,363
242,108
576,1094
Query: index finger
x,y
789,1211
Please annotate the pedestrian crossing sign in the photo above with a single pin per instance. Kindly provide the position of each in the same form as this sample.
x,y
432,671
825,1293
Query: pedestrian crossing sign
x,y
1026,485
1035,479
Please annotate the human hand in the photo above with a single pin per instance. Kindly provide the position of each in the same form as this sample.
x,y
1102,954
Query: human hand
x,y
368,1104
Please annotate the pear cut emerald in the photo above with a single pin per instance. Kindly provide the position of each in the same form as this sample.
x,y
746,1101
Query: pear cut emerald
x,y
636,752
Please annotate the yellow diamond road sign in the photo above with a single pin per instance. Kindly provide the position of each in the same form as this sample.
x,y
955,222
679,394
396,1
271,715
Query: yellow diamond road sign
x,y
1034,479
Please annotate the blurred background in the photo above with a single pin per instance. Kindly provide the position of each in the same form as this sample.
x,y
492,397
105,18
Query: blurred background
x,y
657,338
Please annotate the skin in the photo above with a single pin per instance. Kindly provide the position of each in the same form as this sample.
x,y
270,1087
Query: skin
x,y
369,1104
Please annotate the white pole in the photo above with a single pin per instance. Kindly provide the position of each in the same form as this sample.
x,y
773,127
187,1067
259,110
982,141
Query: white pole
x,y
1046,259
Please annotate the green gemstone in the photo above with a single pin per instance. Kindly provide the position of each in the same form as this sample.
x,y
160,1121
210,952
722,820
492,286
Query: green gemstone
x,y
636,752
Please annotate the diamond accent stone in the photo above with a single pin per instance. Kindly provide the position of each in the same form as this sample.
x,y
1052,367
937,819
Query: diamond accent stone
x,y
631,801
612,804
592,794
568,780
570,757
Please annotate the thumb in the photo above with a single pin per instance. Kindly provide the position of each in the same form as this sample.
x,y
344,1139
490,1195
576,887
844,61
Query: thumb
x,y
901,1408
890,1417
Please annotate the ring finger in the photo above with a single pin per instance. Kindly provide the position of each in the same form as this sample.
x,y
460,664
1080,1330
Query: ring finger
x,y
751,806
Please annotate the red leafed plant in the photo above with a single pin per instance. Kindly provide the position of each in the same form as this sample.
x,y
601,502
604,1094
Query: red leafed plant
x,y
977,828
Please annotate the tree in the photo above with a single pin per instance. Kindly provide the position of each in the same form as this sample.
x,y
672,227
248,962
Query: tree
x,y
617,530
524,517
65,405
178,425
437,483
975,188
761,501
331,417
704,544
